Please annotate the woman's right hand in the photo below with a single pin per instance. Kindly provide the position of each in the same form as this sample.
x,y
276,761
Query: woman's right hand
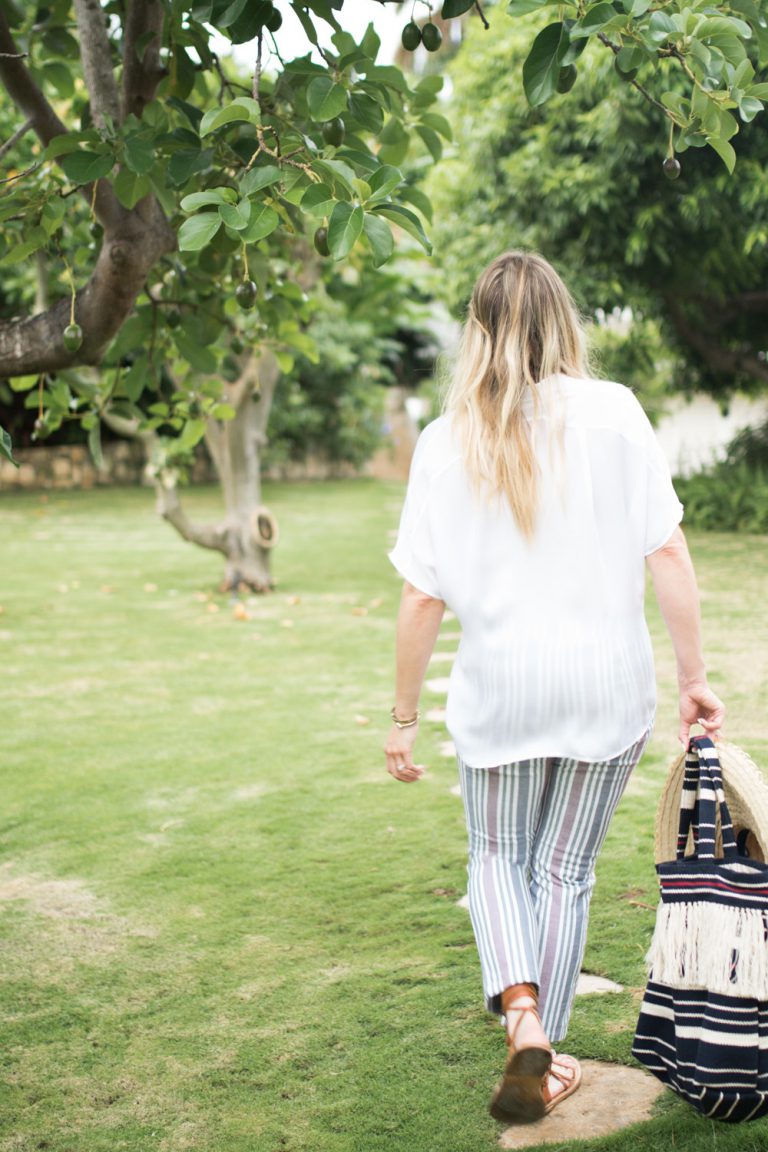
x,y
699,705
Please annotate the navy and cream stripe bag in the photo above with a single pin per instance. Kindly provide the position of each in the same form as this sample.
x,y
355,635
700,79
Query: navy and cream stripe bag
x,y
703,1026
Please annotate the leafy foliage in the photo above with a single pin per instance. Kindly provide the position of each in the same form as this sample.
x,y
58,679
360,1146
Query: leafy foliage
x,y
231,166
726,498
583,183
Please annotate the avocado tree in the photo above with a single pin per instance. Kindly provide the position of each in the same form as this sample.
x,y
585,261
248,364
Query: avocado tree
x,y
181,216
174,212
584,186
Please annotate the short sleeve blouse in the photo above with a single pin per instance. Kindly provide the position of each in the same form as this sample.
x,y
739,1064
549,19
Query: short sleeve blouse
x,y
555,656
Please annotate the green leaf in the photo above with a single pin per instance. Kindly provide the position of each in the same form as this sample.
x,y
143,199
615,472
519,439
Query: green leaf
x,y
370,42
453,8
195,200
749,108
595,19
60,77
242,109
384,180
200,358
35,239
523,7
379,236
395,142
542,66
724,150
192,432
236,215
67,142
439,123
344,228
198,231
263,222
758,91
432,141
140,152
326,100
318,200
259,178
94,444
130,187
338,171
407,220
186,162
418,198
660,28
83,167
6,446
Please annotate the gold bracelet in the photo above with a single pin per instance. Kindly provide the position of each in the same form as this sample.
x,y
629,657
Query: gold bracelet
x,y
405,723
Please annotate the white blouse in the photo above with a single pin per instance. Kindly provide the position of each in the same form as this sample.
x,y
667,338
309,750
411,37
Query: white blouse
x,y
555,657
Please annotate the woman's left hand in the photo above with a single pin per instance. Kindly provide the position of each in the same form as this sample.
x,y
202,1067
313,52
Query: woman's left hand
x,y
399,753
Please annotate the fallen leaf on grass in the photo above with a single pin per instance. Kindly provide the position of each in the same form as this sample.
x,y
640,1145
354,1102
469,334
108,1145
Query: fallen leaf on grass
x,y
362,720
240,612
150,587
211,607
359,611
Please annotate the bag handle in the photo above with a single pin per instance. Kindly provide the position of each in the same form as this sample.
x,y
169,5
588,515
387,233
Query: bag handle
x,y
701,794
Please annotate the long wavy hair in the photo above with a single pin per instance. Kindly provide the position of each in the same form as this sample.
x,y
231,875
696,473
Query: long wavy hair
x,y
522,327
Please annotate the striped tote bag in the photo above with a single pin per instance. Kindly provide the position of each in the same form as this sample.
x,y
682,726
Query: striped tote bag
x,y
703,1025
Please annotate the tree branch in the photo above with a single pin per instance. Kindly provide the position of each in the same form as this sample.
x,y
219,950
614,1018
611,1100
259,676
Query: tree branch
x,y
24,90
169,507
141,76
29,99
14,139
168,502
36,344
96,56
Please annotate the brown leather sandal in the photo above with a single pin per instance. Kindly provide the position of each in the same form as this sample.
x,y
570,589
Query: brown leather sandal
x,y
570,1082
519,1096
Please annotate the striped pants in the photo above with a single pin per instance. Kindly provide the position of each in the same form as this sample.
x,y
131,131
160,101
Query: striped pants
x,y
535,829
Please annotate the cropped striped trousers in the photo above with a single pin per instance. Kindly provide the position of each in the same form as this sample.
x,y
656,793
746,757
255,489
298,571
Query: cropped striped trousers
x,y
535,828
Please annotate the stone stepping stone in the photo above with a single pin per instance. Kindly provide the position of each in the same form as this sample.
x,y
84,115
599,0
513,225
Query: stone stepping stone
x,y
464,902
435,715
456,790
442,657
610,1097
440,684
448,748
589,985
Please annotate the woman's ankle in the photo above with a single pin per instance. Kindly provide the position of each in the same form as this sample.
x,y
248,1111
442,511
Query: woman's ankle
x,y
516,992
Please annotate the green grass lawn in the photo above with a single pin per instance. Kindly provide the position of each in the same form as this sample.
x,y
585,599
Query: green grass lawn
x,y
225,927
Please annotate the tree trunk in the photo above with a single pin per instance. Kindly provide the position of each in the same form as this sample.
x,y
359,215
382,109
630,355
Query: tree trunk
x,y
235,446
248,532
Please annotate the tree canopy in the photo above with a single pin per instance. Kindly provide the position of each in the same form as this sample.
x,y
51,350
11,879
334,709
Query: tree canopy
x,y
170,208
583,184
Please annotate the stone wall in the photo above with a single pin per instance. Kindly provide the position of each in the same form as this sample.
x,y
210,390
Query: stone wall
x,y
71,466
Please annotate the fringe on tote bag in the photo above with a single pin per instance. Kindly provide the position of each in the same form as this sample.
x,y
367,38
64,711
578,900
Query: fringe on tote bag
x,y
703,1025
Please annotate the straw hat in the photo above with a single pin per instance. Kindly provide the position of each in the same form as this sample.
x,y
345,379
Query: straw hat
x,y
746,794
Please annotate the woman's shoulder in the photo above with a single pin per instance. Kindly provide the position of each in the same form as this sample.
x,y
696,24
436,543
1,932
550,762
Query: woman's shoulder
x,y
436,444
605,404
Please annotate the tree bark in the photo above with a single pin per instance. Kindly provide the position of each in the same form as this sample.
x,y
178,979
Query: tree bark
x,y
141,76
133,240
235,446
35,344
96,54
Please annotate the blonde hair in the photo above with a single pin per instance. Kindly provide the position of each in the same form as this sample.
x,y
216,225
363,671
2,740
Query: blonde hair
x,y
522,327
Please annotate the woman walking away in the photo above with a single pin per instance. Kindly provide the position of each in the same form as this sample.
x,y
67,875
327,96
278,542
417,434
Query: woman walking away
x,y
532,505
